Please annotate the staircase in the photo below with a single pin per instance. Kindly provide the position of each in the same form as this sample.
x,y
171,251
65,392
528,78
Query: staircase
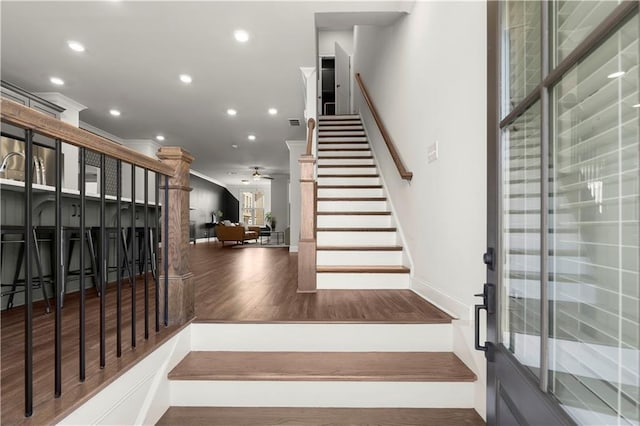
x,y
321,373
357,242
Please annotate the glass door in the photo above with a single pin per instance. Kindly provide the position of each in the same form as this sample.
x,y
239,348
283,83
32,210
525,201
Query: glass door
x,y
563,213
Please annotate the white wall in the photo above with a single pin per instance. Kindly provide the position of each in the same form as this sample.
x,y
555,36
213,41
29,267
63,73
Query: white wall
x,y
428,81
327,40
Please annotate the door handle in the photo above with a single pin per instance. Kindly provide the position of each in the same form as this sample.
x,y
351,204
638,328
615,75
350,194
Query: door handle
x,y
488,304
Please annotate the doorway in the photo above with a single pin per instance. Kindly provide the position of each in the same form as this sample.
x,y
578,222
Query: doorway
x,y
327,85
563,292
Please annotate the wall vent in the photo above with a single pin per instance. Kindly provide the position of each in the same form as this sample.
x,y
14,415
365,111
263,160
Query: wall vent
x,y
294,122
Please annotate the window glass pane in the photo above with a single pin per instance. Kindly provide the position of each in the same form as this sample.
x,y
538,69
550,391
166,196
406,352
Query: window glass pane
x,y
521,51
573,21
521,238
594,223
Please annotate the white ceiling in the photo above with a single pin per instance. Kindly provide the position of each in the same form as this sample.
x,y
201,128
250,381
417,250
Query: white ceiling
x,y
135,52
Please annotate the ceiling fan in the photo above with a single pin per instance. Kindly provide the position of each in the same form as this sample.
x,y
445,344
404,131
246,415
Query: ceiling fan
x,y
257,175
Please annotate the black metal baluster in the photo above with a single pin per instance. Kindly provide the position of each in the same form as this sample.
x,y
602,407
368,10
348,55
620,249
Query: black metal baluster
x,y
83,237
133,255
146,254
58,272
118,259
104,246
28,252
155,250
165,251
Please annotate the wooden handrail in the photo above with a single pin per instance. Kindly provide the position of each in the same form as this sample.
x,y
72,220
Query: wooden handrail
x,y
28,118
311,124
404,173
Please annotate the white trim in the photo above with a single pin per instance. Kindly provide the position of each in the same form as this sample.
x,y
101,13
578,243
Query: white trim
x,y
205,177
100,132
293,249
443,301
141,145
62,101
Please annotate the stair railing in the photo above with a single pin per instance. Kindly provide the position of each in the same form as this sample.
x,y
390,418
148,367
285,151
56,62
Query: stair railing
x,y
308,203
123,240
402,170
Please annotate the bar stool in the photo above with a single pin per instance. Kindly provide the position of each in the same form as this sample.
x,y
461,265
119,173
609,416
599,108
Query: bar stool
x,y
18,231
71,236
151,258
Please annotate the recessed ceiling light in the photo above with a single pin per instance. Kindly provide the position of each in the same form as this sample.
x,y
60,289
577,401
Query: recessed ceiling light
x,y
245,181
234,146
160,137
57,81
241,35
186,78
114,112
636,106
616,74
273,111
251,137
232,111
74,45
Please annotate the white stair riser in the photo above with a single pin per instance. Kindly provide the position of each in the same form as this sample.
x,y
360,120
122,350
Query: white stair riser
x,y
354,221
318,337
352,257
348,181
347,238
326,127
232,393
350,192
342,133
343,145
343,153
324,118
341,139
361,281
343,161
354,122
348,170
352,206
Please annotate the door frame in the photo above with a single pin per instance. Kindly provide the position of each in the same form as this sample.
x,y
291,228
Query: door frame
x,y
508,381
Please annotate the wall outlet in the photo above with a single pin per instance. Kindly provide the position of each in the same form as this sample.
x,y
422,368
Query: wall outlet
x,y
432,152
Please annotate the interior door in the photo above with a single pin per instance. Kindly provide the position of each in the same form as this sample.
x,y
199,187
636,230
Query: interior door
x,y
563,220
343,80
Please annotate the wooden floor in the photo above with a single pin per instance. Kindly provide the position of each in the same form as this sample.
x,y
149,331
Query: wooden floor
x,y
249,285
227,416
259,285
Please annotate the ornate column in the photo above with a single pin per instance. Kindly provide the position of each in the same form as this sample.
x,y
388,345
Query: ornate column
x,y
181,284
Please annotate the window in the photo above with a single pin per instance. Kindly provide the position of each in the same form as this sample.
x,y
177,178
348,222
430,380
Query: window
x,y
253,208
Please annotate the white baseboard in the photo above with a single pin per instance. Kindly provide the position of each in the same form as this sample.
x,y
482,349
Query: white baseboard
x,y
443,301
293,249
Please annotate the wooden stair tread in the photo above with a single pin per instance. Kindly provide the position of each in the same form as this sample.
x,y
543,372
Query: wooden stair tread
x,y
363,269
349,175
356,229
358,213
346,166
303,416
352,198
338,157
359,248
323,366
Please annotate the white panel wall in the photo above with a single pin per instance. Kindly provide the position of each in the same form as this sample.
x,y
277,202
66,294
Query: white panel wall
x,y
427,79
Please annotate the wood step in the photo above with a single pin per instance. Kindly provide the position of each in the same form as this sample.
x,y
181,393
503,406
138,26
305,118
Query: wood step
x,y
352,199
359,248
356,229
345,166
358,213
323,366
349,186
343,149
342,175
302,416
337,157
363,269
